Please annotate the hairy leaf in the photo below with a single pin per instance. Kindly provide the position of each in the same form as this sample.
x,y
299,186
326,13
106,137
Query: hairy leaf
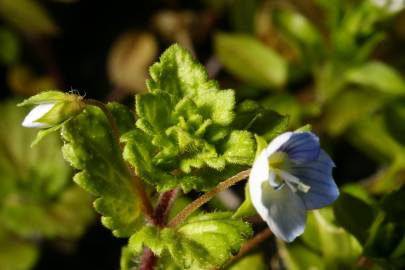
x,y
266,123
202,242
184,130
91,148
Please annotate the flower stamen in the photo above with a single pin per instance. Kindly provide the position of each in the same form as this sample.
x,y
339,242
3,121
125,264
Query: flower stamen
x,y
290,179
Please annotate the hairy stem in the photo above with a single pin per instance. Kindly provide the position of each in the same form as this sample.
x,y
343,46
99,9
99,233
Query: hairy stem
x,y
162,208
147,208
149,259
180,217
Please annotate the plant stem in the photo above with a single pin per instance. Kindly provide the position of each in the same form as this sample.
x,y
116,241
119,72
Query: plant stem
x,y
180,217
162,208
251,244
147,208
149,259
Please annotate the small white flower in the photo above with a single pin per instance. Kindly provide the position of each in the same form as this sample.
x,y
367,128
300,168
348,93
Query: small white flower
x,y
292,175
31,120
391,6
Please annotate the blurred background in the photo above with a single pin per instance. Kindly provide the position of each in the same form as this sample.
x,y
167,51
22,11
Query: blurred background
x,y
337,65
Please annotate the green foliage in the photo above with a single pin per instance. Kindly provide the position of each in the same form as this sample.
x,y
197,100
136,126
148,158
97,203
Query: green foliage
x,y
378,76
266,123
91,148
336,121
379,227
301,32
184,134
254,261
250,60
202,242
37,200
28,16
355,215
323,245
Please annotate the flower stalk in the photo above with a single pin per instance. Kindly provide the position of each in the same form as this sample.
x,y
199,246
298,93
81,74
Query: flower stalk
x,y
189,209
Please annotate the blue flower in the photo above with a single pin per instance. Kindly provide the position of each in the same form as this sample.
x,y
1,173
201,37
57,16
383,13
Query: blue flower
x,y
292,175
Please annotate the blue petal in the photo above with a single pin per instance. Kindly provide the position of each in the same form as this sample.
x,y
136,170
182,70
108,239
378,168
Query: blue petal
x,y
302,147
285,211
318,175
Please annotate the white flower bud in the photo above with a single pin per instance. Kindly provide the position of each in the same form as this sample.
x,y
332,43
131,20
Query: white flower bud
x,y
35,114
51,108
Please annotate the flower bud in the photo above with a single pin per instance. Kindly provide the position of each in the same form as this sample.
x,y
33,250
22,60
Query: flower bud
x,y
52,108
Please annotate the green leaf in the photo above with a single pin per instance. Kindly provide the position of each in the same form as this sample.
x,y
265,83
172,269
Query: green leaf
x,y
302,33
178,74
253,62
355,215
184,136
305,128
154,111
386,242
127,260
264,122
138,152
337,120
337,248
370,135
239,148
202,242
51,96
246,209
45,132
254,261
285,104
91,148
147,236
379,76
28,16
297,256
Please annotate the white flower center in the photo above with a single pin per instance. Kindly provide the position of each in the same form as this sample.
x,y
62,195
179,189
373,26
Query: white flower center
x,y
280,164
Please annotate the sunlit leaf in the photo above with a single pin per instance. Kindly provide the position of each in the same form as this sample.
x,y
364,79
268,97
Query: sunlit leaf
x,y
379,76
250,60
302,33
91,148
254,261
202,242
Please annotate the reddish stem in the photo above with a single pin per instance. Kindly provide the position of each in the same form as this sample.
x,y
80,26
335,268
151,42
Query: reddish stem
x,y
163,206
149,259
